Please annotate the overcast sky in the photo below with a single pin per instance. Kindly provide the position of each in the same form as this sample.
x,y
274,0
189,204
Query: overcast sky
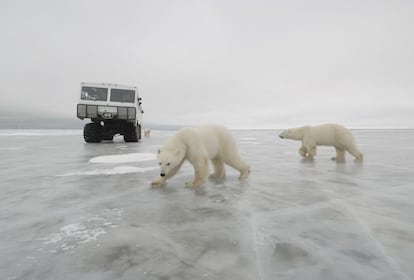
x,y
256,64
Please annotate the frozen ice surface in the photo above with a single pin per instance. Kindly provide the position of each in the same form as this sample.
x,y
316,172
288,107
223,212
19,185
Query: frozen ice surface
x,y
71,210
136,157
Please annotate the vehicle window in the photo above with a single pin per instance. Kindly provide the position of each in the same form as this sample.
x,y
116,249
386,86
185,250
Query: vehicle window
x,y
122,95
94,93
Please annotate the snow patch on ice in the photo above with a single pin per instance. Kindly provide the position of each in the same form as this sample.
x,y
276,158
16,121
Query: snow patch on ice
x,y
115,171
11,148
135,157
249,140
77,232
73,235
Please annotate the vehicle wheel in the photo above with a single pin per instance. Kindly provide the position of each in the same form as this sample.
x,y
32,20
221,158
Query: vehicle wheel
x,y
92,133
139,131
132,133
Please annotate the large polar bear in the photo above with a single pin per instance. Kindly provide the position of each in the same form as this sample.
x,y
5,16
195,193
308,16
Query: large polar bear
x,y
198,146
324,135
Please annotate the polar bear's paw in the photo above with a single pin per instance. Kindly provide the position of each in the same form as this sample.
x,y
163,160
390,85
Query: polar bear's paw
x,y
244,174
217,177
159,182
189,184
359,159
193,184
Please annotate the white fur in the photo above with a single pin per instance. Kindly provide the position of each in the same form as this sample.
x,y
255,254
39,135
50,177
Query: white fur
x,y
198,146
324,135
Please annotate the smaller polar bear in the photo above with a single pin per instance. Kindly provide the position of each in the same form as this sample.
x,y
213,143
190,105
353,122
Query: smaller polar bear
x,y
324,135
198,146
147,132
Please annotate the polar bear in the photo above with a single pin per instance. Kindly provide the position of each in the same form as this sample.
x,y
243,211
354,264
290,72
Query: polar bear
x,y
147,132
198,146
324,135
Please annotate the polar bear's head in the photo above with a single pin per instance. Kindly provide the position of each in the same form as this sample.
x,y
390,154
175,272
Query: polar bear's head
x,y
168,160
292,133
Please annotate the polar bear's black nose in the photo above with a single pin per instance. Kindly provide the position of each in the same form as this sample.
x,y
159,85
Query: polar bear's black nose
x,y
162,174
280,135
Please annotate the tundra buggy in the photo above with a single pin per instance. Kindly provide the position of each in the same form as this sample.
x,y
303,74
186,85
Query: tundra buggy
x,y
113,109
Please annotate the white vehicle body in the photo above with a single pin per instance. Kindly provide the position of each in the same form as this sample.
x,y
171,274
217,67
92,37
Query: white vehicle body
x,y
112,108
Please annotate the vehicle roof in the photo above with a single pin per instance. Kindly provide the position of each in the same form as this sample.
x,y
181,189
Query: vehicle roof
x,y
108,85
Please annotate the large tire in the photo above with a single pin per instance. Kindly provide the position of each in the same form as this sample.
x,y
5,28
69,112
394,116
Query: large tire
x,y
132,133
139,131
92,133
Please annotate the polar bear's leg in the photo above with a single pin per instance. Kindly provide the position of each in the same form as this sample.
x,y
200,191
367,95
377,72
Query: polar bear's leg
x,y
238,164
353,150
200,172
310,147
310,151
302,151
219,171
340,155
